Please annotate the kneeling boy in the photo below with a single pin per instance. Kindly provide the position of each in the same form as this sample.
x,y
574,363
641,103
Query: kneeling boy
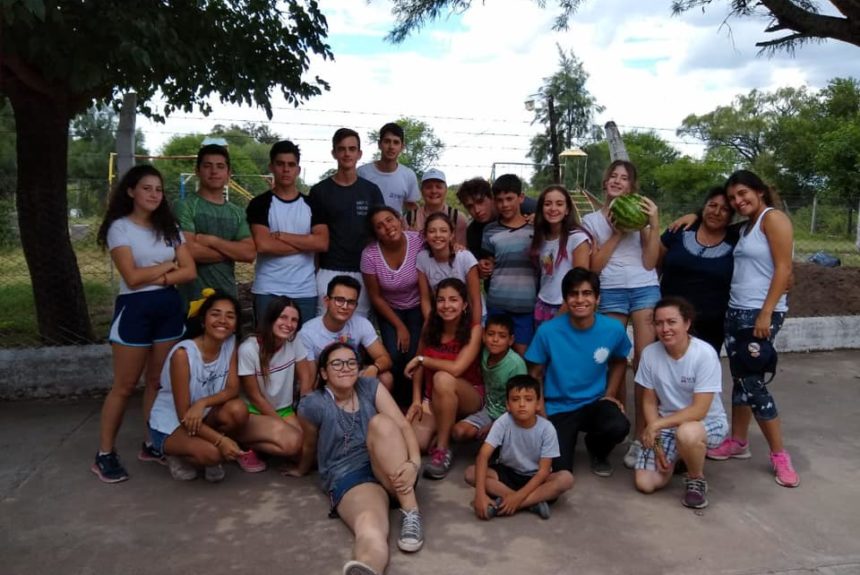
x,y
522,477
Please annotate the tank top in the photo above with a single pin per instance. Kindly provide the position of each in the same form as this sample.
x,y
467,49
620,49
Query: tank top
x,y
753,270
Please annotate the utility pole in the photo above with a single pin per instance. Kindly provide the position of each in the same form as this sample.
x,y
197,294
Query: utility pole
x,y
553,140
125,134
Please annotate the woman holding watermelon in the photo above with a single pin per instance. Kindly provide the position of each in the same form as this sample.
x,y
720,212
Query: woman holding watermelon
x,y
757,302
627,241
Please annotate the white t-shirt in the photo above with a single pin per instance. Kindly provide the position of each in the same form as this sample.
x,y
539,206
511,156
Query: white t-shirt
x,y
552,271
437,271
282,369
316,337
397,187
205,379
146,248
624,268
676,380
523,448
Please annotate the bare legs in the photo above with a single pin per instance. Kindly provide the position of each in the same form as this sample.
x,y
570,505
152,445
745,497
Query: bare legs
x,y
692,444
453,397
771,429
273,435
556,484
228,419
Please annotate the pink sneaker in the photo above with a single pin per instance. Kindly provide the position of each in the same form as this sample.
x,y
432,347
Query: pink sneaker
x,y
250,463
730,447
783,471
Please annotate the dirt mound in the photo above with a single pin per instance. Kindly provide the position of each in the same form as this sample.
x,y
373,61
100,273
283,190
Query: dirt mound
x,y
820,291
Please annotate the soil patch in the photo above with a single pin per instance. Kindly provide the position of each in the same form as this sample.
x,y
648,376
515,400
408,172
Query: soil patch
x,y
820,291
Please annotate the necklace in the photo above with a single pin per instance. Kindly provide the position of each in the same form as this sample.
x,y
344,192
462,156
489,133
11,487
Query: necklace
x,y
346,424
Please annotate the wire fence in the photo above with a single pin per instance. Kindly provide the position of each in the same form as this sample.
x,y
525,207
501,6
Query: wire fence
x,y
829,227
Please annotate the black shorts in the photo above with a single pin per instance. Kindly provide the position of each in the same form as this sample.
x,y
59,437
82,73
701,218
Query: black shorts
x,y
510,477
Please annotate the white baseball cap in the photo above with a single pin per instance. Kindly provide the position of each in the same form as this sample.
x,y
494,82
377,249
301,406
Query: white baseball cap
x,y
434,174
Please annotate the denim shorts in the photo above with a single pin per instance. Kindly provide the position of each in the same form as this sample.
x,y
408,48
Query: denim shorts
x,y
363,474
627,300
157,438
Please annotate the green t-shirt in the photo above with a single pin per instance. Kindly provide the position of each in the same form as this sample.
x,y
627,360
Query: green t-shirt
x,y
200,216
496,380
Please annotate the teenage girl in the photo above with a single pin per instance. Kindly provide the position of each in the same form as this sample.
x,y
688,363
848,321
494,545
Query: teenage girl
x,y
558,246
626,262
270,364
197,414
446,374
440,260
148,251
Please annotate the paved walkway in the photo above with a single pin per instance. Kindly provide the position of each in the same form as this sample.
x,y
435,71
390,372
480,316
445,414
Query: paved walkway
x,y
56,517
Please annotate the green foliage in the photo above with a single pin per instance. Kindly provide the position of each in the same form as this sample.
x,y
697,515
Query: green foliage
x,y
574,109
423,148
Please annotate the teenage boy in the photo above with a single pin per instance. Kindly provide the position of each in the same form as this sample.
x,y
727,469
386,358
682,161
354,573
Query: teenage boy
x,y
341,204
286,241
581,358
522,477
434,191
216,230
499,363
398,183
505,247
340,323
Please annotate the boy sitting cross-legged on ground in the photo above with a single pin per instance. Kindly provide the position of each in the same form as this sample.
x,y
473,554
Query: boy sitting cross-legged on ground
x,y
522,476
499,363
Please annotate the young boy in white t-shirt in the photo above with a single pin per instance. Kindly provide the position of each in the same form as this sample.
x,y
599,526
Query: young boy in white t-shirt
x,y
521,477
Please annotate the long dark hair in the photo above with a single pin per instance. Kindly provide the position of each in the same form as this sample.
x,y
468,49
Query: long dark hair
x,y
543,228
435,327
195,325
371,229
444,217
265,336
713,193
752,181
121,204
322,360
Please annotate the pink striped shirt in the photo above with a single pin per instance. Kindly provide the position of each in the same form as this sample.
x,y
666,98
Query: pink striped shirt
x,y
399,287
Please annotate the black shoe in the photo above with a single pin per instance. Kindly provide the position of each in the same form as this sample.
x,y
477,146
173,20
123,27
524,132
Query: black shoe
x,y
108,468
600,466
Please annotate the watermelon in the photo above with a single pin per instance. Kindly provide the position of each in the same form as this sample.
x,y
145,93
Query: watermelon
x,y
627,213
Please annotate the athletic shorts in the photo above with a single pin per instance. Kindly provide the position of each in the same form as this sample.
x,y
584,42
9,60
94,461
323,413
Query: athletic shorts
x,y
282,412
143,318
716,430
510,477
627,300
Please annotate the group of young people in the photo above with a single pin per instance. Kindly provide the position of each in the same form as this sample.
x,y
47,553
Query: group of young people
x,y
385,329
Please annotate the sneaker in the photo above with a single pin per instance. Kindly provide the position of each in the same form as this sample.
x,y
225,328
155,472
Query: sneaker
x,y
411,531
541,509
149,454
440,463
632,455
358,568
108,468
493,508
250,462
783,471
600,466
181,469
214,473
696,495
730,447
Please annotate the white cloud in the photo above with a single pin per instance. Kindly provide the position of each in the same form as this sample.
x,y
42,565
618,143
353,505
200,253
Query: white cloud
x,y
468,76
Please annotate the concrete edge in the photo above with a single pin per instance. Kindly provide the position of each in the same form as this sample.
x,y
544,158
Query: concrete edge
x,y
70,371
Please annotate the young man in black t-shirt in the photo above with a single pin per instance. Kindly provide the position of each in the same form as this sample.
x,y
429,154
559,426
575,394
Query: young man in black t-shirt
x,y
341,203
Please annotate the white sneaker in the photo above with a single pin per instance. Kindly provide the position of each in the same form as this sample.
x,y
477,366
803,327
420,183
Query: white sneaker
x,y
632,454
180,468
214,473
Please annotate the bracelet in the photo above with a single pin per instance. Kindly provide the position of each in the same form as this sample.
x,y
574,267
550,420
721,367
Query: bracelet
x,y
220,439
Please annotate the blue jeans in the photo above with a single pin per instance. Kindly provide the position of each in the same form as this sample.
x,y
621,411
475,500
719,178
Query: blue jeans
x,y
413,320
751,390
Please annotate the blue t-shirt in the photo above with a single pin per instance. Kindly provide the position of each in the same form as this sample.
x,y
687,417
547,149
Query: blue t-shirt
x,y
515,279
576,362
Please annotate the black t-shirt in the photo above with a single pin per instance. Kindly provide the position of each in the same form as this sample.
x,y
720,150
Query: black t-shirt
x,y
344,210
702,275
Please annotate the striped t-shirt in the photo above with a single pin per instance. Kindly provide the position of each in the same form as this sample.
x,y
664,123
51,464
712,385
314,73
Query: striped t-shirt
x,y
399,287
514,285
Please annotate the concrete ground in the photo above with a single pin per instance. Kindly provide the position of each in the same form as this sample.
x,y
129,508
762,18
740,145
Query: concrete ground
x,y
56,517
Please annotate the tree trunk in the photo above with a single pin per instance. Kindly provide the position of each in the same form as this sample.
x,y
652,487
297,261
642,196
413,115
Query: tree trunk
x,y
42,126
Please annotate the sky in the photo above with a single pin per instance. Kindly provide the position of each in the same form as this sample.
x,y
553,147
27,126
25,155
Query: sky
x,y
468,75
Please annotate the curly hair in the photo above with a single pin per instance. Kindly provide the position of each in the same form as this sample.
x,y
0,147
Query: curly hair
x,y
121,204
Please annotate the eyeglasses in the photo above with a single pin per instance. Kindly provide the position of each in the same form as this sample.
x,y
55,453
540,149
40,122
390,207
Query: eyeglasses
x,y
343,364
343,302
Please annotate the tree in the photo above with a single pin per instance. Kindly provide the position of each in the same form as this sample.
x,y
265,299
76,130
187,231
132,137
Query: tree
x,y
58,57
799,21
571,117
649,152
423,148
